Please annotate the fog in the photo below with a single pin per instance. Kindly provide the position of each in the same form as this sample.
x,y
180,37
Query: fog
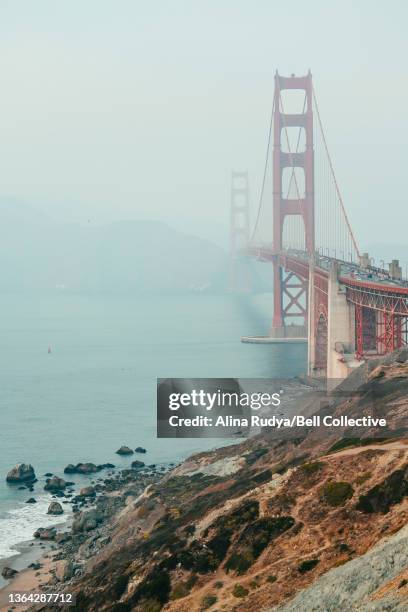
x,y
140,109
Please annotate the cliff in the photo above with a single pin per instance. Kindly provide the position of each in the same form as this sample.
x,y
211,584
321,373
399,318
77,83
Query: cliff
x,y
268,524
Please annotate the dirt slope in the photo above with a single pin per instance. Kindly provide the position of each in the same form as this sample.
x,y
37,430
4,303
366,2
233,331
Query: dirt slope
x,y
268,525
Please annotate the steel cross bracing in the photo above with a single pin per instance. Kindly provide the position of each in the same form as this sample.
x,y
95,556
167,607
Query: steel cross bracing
x,y
378,299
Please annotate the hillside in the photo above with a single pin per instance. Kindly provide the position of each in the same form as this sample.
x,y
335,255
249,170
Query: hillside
x,y
37,253
263,525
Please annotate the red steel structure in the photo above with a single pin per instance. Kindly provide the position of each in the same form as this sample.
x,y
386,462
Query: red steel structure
x,y
388,307
292,287
380,306
239,231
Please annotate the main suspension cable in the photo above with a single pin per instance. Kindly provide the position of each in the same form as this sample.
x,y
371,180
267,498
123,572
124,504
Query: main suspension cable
x,y
334,176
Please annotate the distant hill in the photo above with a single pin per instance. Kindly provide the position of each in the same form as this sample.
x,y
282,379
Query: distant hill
x,y
37,253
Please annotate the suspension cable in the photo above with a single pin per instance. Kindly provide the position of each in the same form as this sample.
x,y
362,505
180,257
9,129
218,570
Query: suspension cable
x,y
265,171
334,176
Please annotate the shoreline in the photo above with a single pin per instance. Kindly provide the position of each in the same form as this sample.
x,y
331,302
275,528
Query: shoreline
x,y
27,579
55,556
41,551
27,552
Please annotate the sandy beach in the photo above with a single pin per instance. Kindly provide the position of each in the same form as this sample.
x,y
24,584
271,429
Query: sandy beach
x,y
27,579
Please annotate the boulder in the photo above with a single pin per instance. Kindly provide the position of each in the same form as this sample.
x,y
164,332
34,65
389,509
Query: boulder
x,y
35,566
8,572
64,570
82,468
22,472
86,521
55,484
124,450
137,465
55,508
44,533
31,501
62,536
87,492
140,449
87,468
70,469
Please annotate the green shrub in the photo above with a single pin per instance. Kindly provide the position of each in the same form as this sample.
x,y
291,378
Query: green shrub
x,y
219,544
262,477
208,601
218,585
155,586
254,455
240,591
343,547
381,497
234,520
179,590
254,539
308,565
191,580
120,586
337,493
240,561
271,578
312,467
363,477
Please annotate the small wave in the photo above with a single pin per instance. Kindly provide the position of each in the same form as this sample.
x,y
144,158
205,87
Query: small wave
x,y
18,524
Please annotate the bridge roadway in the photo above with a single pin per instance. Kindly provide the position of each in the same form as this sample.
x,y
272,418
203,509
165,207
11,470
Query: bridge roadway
x,y
353,276
353,313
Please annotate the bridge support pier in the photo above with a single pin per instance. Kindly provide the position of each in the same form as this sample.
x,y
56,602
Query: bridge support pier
x,y
340,329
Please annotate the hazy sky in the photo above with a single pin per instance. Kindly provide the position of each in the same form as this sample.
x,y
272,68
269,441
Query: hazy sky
x,y
114,109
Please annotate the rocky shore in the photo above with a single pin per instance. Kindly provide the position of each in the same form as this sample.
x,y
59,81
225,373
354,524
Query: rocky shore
x,y
58,553
266,524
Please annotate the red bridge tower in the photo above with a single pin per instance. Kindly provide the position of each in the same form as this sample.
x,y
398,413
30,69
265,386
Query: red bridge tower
x,y
290,291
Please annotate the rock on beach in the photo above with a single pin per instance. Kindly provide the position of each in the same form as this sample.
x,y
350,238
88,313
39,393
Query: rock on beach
x,y
55,484
55,508
22,472
8,573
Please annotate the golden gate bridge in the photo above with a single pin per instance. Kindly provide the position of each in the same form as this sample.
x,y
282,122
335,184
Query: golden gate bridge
x,y
324,289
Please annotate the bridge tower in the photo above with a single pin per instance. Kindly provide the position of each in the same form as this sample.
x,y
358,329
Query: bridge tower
x,y
290,292
239,233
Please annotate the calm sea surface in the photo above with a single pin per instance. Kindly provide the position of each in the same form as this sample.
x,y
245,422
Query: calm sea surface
x,y
96,389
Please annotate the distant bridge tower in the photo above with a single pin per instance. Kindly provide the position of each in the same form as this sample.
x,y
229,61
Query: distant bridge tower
x,y
239,236
290,291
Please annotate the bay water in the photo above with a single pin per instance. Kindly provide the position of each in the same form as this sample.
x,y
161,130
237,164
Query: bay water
x,y
96,388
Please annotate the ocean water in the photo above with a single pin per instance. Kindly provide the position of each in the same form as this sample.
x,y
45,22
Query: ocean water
x,y
96,389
